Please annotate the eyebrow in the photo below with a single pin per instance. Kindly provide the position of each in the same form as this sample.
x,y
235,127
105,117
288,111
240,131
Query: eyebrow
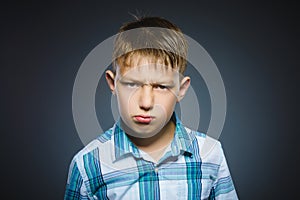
x,y
153,82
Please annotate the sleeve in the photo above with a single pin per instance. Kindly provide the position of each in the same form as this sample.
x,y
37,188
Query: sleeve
x,y
75,189
223,187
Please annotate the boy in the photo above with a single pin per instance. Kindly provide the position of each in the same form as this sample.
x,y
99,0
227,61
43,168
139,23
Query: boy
x,y
148,153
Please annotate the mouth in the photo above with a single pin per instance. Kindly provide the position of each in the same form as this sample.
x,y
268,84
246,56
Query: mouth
x,y
143,119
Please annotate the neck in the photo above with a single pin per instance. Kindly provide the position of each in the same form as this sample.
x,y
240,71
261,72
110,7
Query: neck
x,y
157,142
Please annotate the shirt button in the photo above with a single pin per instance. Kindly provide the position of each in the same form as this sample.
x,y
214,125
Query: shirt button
x,y
95,197
156,169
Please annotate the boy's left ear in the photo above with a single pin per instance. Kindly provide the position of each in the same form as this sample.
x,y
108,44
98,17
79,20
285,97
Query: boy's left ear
x,y
184,86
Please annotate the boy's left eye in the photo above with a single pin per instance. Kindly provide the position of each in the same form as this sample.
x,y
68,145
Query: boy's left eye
x,y
161,87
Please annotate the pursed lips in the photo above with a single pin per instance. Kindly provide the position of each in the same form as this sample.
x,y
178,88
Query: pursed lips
x,y
145,119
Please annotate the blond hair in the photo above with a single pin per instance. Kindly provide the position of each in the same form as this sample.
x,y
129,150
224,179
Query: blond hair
x,y
150,36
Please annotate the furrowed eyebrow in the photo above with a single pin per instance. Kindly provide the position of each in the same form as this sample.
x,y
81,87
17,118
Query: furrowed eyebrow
x,y
124,80
152,83
171,83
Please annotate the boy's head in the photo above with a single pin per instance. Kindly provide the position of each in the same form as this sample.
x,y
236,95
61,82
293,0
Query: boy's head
x,y
149,60
150,36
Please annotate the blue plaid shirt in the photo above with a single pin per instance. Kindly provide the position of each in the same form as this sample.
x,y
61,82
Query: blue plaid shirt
x,y
112,167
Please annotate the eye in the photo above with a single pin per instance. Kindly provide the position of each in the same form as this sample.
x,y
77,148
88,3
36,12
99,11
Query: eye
x,y
132,85
160,87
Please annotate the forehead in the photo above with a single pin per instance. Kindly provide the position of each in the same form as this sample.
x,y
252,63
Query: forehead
x,y
140,67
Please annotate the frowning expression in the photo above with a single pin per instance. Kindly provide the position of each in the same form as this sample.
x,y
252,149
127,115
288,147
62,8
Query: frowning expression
x,y
147,93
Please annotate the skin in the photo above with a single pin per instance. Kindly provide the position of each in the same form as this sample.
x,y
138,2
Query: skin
x,y
147,93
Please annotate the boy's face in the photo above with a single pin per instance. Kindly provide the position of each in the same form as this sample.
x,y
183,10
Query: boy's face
x,y
147,93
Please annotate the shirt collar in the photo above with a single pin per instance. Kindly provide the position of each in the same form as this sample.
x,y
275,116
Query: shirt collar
x,y
122,144
182,141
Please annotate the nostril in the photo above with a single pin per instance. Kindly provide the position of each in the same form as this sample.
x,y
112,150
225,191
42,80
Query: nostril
x,y
146,98
146,102
145,108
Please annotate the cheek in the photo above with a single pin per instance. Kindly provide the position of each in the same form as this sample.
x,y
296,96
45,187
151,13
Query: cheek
x,y
126,101
122,99
167,101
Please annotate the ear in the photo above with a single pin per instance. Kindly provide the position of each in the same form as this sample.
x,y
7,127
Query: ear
x,y
110,78
184,86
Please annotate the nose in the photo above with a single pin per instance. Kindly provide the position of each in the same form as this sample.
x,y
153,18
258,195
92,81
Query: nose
x,y
146,98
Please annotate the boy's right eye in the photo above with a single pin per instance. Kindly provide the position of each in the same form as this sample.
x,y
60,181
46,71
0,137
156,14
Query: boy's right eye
x,y
131,85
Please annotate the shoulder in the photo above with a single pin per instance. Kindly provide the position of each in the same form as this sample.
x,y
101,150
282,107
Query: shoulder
x,y
90,153
101,140
210,149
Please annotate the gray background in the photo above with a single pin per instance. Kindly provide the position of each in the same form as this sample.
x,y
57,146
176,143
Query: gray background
x,y
255,46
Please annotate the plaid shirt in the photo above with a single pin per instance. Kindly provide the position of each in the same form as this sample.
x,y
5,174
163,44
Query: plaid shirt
x,y
112,167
